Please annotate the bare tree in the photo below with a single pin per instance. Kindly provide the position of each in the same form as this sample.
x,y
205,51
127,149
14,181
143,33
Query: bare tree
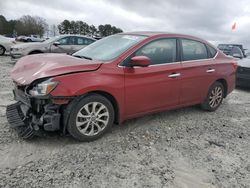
x,y
28,25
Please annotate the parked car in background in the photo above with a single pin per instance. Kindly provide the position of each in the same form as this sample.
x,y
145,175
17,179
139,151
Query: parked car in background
x,y
58,44
20,38
33,38
228,48
117,78
5,44
236,52
247,53
243,72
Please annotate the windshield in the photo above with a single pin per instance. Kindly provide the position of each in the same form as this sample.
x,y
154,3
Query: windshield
x,y
109,48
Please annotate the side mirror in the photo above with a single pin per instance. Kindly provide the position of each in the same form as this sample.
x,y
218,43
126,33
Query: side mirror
x,y
140,61
56,43
237,55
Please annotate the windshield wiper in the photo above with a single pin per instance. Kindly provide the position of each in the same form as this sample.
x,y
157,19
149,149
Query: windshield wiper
x,y
85,57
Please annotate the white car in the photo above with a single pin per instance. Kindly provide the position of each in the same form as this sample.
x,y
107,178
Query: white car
x,y
57,44
33,38
6,44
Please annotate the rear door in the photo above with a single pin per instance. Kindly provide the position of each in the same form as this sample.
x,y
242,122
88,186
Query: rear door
x,y
152,88
198,70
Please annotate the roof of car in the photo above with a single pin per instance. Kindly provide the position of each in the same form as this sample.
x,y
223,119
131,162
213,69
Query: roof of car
x,y
77,35
159,33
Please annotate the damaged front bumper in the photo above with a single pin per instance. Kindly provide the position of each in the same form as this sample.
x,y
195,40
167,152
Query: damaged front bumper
x,y
30,115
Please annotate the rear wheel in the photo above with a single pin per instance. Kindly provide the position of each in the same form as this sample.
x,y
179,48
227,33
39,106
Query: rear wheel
x,y
2,50
214,97
92,116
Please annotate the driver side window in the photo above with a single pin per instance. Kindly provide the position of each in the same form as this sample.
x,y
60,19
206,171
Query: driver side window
x,y
159,51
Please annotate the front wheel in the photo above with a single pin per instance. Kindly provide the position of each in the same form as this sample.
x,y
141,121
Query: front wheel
x,y
214,97
2,50
90,118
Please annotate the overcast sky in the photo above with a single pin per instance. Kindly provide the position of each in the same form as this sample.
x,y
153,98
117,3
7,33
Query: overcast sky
x,y
209,19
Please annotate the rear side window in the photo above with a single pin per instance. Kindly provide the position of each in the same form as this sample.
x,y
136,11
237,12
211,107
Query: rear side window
x,y
160,51
212,51
84,41
64,41
89,41
80,41
193,50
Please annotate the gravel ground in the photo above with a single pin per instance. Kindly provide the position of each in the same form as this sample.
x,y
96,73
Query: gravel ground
x,y
181,148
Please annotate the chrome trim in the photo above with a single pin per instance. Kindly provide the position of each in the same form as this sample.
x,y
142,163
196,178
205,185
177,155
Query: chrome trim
x,y
122,66
210,70
174,75
189,61
154,65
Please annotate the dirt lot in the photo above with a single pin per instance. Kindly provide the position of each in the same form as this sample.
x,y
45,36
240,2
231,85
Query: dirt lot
x,y
182,148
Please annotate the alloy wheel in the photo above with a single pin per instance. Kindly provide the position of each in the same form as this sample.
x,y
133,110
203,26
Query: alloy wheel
x,y
216,97
92,118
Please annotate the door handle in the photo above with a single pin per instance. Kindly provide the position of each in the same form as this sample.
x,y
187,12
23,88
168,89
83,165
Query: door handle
x,y
174,75
210,70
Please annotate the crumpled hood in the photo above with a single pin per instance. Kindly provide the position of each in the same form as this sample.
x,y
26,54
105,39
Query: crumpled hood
x,y
32,67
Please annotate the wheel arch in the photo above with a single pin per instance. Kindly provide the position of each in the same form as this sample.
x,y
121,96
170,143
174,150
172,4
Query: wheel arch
x,y
35,52
3,48
225,85
110,97
113,101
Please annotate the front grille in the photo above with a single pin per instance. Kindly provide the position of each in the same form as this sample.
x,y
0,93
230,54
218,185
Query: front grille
x,y
15,118
14,115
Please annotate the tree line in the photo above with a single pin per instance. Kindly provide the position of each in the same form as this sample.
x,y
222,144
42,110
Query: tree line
x,y
28,25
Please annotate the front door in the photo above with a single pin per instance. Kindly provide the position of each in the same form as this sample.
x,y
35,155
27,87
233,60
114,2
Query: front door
x,y
156,87
65,45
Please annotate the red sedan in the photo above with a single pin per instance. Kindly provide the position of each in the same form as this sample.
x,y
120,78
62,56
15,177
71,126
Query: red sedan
x,y
117,78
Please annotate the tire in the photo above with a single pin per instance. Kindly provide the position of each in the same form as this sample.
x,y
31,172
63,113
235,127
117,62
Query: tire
x,y
2,50
214,98
29,40
84,126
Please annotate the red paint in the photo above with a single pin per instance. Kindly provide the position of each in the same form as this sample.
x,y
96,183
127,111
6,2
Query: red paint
x,y
137,90
141,61
32,67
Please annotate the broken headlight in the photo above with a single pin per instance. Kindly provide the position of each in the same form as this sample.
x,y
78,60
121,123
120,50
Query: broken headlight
x,y
43,88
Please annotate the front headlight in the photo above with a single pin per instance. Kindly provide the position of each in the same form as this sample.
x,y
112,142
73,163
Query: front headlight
x,y
43,88
15,49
